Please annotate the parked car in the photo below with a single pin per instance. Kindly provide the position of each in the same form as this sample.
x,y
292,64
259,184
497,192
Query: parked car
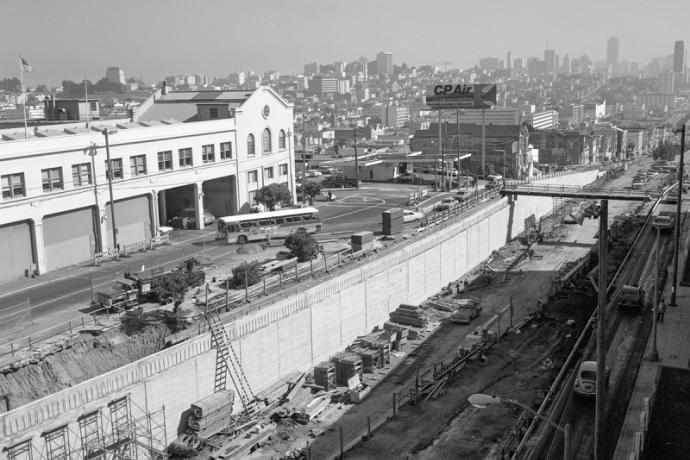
x,y
586,380
187,219
412,216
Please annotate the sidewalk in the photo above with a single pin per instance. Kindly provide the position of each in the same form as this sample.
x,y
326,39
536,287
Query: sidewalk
x,y
673,346
13,286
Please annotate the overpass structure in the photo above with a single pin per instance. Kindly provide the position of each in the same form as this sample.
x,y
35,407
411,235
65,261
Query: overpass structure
x,y
573,191
588,191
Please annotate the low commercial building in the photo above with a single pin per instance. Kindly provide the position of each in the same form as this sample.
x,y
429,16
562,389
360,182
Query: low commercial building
x,y
505,147
203,150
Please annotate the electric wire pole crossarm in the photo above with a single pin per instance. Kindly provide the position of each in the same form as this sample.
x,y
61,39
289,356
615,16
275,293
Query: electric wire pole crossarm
x,y
481,401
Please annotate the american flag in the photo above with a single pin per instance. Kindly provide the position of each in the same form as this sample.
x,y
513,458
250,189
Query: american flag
x,y
24,66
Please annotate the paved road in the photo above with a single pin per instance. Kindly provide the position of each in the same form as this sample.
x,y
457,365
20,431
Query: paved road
x,y
30,305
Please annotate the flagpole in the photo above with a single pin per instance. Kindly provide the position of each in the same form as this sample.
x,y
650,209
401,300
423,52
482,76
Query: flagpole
x,y
88,107
21,81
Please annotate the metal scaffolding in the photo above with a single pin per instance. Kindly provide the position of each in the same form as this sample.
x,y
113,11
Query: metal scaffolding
x,y
121,430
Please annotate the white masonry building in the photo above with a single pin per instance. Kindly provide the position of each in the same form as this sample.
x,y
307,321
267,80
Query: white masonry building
x,y
206,150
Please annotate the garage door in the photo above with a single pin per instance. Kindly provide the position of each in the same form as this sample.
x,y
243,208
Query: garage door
x,y
69,238
133,220
15,247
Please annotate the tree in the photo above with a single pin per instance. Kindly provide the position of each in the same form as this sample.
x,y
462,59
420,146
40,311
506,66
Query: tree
x,y
302,245
312,188
246,270
666,151
272,194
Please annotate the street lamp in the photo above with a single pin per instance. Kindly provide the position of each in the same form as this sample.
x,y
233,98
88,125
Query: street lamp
x,y
481,401
109,174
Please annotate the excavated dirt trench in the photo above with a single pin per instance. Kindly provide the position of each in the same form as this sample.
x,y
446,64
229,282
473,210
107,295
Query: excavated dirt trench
x,y
86,357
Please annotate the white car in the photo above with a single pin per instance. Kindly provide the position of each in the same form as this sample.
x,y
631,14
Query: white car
x,y
586,380
412,216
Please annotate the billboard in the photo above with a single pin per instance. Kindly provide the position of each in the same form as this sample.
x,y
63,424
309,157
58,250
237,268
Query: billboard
x,y
461,96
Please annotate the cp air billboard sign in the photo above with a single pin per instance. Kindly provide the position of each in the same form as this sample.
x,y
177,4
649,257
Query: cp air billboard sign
x,y
450,96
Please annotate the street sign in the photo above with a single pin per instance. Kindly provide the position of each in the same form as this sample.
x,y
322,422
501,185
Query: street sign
x,y
461,96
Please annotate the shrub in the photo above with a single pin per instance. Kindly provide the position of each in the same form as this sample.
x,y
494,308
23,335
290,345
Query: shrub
x,y
248,270
302,245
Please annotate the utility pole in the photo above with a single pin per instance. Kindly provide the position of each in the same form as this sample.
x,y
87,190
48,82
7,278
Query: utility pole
x,y
304,149
92,152
440,144
484,143
676,245
599,447
354,143
457,139
110,185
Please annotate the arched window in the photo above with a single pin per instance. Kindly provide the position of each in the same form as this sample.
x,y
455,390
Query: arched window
x,y
281,140
266,141
250,145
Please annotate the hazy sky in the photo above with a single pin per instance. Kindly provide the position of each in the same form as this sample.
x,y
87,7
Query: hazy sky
x,y
73,39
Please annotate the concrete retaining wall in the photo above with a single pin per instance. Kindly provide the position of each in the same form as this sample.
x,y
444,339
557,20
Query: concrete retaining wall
x,y
294,333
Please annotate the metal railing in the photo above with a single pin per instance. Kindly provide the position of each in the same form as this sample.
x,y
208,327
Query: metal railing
x,y
129,249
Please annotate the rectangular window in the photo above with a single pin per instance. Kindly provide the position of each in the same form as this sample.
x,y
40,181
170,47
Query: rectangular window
x,y
13,186
252,177
213,112
81,174
226,150
208,154
116,164
268,173
165,161
52,179
137,165
283,169
185,157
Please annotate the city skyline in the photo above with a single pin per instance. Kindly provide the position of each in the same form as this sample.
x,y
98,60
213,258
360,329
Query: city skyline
x,y
155,39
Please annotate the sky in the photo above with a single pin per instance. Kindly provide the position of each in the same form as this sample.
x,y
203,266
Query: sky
x,y
77,39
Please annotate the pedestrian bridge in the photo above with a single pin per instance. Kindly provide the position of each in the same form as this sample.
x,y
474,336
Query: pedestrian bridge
x,y
594,192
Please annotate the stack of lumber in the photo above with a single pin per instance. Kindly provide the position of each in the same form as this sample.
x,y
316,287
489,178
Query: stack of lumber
x,y
409,315
324,375
211,414
347,364
442,305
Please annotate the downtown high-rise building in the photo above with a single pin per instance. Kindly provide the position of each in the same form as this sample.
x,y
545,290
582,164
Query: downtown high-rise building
x,y
384,63
612,53
550,60
679,57
115,75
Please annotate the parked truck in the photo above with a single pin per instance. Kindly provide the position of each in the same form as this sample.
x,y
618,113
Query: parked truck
x,y
467,311
121,295
631,298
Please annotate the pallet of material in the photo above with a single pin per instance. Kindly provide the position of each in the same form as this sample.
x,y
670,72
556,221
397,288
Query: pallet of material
x,y
346,365
324,375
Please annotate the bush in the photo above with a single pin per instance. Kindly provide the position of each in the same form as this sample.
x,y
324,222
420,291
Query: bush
x,y
248,270
302,245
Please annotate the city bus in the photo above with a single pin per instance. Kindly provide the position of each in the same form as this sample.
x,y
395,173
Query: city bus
x,y
264,225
